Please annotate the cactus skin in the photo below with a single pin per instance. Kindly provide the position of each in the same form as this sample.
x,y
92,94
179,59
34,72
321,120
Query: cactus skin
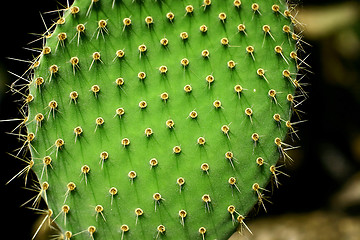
x,y
100,155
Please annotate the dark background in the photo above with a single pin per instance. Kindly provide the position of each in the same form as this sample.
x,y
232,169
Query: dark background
x,y
330,140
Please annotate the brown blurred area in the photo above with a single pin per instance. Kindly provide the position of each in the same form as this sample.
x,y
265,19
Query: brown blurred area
x,y
321,199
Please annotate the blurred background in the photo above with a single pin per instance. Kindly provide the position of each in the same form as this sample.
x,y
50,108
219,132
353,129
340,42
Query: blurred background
x,y
321,199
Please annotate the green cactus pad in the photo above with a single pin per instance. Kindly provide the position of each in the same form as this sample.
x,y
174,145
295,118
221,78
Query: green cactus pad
x,y
161,119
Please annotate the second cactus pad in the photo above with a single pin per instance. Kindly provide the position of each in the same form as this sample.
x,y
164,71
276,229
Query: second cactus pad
x,y
160,119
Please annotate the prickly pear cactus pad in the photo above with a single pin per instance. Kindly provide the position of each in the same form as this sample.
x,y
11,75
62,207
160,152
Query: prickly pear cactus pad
x,y
161,119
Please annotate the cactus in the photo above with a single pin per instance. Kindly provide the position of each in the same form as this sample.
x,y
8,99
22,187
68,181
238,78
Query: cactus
x,y
160,118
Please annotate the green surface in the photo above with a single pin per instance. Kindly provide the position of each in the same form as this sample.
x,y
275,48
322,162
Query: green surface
x,y
92,189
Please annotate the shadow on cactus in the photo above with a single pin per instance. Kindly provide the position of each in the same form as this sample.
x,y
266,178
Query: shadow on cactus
x,y
161,119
